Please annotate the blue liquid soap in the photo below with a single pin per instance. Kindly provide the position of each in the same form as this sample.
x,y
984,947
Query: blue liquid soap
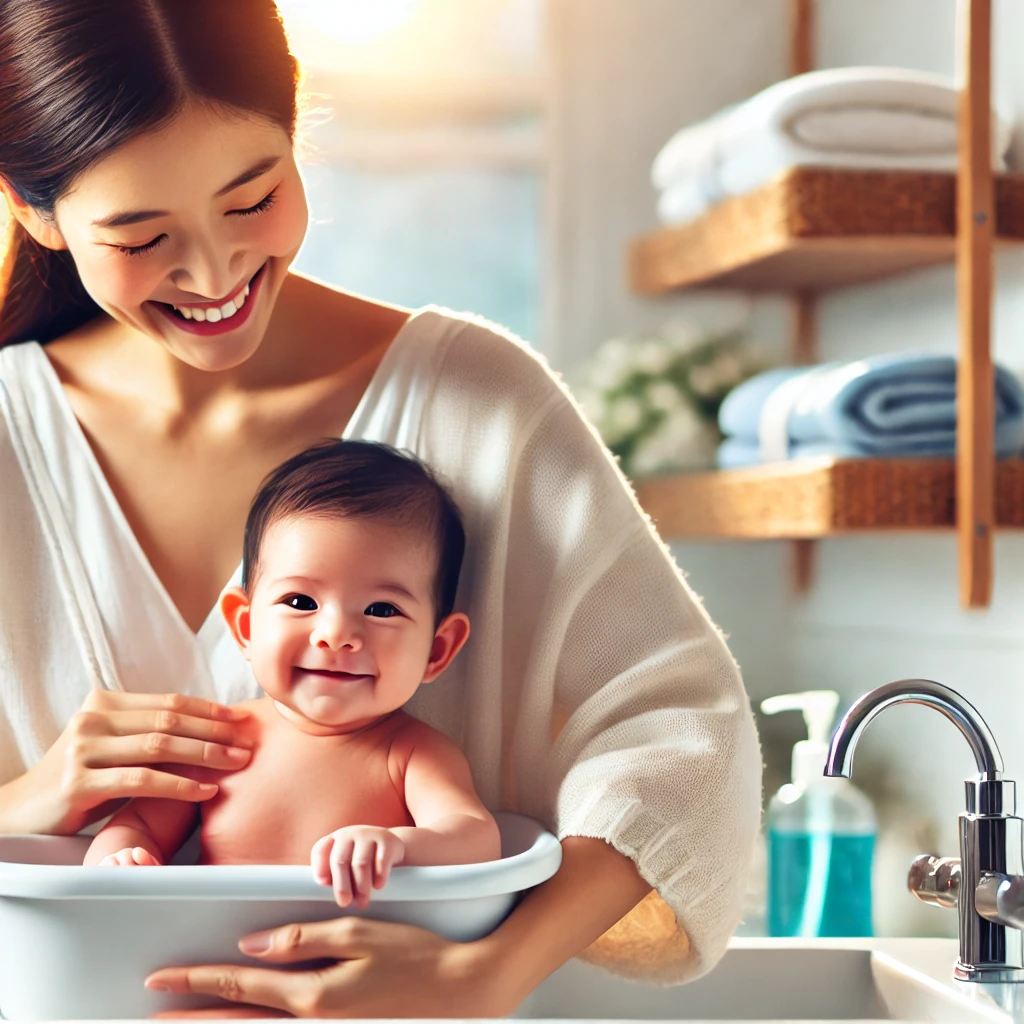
x,y
821,836
819,884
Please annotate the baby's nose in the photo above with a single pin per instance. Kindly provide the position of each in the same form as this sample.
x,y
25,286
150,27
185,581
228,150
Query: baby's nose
x,y
335,634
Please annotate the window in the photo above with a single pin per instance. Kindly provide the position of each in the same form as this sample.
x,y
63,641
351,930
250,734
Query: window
x,y
426,170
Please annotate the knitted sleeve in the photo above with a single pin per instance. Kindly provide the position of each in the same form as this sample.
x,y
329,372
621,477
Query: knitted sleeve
x,y
622,713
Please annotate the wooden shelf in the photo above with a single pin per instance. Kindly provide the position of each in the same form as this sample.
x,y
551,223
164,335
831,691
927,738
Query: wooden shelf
x,y
815,228
821,497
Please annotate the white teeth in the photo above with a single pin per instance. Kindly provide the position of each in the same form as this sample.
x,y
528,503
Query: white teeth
x,y
213,314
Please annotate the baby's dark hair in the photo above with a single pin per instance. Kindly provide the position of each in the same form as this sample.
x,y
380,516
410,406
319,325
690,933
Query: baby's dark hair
x,y
360,480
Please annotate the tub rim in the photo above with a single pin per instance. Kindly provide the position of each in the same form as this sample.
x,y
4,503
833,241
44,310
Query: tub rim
x,y
535,864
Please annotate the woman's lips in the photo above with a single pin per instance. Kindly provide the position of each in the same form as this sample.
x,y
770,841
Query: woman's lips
x,y
205,328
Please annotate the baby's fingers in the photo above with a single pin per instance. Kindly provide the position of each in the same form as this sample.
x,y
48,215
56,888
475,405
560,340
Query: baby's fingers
x,y
341,875
320,860
363,857
382,864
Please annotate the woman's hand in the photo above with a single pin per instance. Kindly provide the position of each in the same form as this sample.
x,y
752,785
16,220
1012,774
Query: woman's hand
x,y
381,970
99,760
356,860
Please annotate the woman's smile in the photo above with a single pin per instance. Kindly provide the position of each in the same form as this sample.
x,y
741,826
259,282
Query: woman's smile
x,y
213,318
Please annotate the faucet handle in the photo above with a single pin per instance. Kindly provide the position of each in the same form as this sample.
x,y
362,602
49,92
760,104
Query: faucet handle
x,y
935,880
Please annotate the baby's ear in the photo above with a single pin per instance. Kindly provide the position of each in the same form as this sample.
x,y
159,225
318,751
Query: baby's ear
x,y
234,606
449,638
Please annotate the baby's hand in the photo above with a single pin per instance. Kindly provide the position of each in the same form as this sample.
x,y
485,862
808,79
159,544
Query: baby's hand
x,y
356,859
129,857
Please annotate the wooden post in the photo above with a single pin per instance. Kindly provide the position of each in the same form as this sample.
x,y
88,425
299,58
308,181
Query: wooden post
x,y
801,36
805,334
975,452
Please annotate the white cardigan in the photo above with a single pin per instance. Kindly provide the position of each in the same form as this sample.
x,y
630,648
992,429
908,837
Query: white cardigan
x,y
594,693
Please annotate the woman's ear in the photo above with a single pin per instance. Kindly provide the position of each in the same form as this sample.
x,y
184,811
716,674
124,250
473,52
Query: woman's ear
x,y
234,606
449,638
42,229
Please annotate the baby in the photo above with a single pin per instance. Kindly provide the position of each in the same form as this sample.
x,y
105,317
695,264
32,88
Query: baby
x,y
351,560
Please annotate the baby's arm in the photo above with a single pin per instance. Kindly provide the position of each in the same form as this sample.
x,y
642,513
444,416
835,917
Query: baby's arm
x,y
452,825
158,826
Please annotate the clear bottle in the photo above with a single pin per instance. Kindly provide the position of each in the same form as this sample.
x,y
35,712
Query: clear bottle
x,y
820,834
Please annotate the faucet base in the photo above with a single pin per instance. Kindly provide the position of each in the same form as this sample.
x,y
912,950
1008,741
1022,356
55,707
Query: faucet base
x,y
992,975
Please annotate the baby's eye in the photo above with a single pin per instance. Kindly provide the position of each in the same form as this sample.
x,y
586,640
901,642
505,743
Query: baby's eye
x,y
301,603
382,610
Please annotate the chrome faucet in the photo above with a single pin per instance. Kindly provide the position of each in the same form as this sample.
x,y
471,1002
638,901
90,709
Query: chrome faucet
x,y
986,883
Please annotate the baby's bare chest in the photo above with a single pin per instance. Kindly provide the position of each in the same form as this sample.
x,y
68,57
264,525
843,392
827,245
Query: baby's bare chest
x,y
290,795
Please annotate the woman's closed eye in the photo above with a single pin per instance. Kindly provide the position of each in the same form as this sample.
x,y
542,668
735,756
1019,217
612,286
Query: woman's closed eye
x,y
382,610
250,211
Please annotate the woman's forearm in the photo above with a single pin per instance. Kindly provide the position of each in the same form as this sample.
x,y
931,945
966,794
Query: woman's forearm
x,y
594,888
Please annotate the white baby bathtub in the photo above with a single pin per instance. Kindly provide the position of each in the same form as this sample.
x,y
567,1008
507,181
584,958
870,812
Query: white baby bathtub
x,y
76,942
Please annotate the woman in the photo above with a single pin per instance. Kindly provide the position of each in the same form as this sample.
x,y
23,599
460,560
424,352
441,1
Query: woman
x,y
158,359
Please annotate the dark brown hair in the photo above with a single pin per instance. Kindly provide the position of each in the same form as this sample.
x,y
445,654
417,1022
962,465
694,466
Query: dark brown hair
x,y
361,480
78,78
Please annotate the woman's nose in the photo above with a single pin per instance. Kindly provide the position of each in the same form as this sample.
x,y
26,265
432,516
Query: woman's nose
x,y
208,273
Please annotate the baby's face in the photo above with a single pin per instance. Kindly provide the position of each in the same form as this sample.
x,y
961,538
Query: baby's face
x,y
341,619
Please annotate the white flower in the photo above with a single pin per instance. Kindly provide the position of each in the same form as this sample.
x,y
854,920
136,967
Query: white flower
x,y
652,355
624,415
665,396
681,441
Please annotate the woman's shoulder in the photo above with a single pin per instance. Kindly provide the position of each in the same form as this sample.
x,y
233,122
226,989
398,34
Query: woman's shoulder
x,y
477,356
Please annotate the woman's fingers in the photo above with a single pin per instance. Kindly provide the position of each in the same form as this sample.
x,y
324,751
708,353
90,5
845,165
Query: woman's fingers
x,y
160,748
227,1010
89,724
137,781
106,701
250,985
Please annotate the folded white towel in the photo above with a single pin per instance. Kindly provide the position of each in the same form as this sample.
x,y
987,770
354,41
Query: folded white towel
x,y
842,117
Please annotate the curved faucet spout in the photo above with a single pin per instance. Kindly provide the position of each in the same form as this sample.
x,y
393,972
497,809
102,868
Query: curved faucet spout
x,y
914,691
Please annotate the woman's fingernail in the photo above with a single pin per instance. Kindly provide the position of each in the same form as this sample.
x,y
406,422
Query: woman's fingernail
x,y
157,986
254,944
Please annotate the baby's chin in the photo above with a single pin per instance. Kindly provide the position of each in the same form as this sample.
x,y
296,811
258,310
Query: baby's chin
x,y
322,717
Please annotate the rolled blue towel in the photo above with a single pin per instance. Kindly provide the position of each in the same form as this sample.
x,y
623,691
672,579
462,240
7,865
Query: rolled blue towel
x,y
884,406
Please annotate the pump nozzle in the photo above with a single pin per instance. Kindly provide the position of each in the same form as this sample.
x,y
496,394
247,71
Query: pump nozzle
x,y
819,711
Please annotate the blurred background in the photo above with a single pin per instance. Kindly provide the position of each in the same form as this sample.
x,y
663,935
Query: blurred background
x,y
495,156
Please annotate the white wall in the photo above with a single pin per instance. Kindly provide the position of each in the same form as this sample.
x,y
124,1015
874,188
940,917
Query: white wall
x,y
626,76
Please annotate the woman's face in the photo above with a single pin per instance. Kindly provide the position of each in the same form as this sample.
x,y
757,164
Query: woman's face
x,y
190,216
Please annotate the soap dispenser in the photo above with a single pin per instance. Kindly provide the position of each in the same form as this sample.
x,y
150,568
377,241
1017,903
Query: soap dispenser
x,y
821,835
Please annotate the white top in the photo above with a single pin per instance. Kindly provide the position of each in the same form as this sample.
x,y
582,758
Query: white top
x,y
579,614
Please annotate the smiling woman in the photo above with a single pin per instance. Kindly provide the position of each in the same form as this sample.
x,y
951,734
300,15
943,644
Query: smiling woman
x,y
46,291
146,152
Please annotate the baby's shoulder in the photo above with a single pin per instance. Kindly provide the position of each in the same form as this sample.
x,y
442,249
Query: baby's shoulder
x,y
413,736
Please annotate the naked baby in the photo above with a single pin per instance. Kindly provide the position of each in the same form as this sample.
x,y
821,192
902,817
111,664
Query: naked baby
x,y
351,561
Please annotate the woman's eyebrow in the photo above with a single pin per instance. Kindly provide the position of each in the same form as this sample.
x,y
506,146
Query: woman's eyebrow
x,y
119,220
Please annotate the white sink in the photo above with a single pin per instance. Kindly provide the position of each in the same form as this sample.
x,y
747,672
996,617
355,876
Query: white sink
x,y
789,980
